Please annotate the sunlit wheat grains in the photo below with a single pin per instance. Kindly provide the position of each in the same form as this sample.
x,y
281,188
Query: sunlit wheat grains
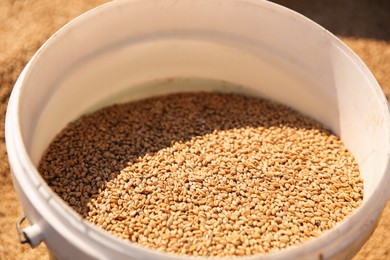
x,y
204,174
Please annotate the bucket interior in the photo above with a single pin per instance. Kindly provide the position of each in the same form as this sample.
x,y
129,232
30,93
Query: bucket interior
x,y
98,61
130,50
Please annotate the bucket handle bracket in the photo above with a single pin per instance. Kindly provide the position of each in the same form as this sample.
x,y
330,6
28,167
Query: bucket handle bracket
x,y
31,235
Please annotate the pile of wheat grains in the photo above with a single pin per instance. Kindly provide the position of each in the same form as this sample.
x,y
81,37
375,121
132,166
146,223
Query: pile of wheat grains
x,y
204,174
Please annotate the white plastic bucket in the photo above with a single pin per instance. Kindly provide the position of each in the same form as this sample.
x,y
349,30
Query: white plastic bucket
x,y
109,53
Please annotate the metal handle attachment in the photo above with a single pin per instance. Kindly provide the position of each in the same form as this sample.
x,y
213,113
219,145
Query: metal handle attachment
x,y
22,236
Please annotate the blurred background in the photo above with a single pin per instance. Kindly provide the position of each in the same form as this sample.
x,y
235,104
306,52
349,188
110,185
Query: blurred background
x,y
364,25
